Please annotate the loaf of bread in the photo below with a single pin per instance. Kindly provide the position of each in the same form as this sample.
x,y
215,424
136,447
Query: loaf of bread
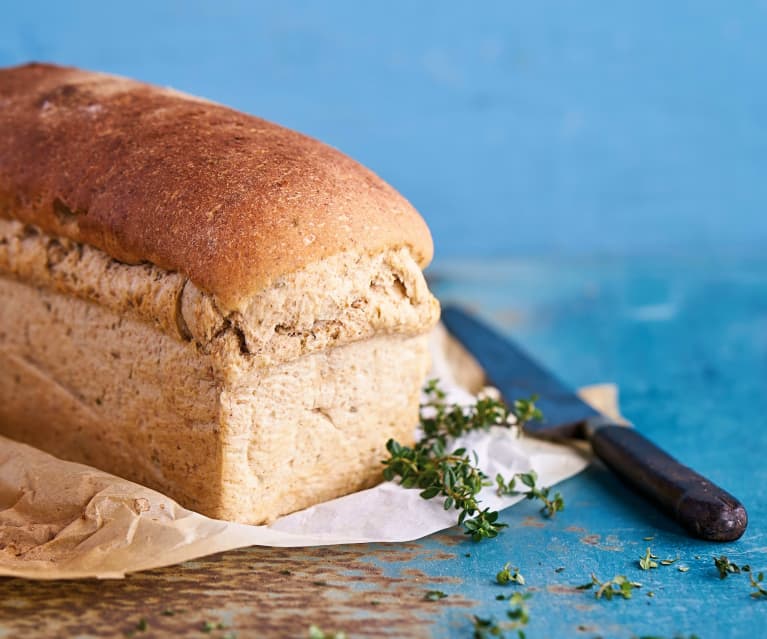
x,y
201,301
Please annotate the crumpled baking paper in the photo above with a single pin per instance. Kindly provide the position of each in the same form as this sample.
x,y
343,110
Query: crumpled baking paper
x,y
61,520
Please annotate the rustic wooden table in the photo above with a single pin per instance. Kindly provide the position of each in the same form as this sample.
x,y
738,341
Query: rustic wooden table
x,y
685,340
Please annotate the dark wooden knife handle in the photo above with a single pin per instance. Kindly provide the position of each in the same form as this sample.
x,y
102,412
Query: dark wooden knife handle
x,y
700,506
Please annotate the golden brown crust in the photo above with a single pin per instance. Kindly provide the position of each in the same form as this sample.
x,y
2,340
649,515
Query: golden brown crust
x,y
149,174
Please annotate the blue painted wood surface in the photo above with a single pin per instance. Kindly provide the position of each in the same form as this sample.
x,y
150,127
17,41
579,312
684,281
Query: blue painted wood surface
x,y
686,341
555,128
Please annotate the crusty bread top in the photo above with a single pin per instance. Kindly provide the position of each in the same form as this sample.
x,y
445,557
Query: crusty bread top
x,y
152,175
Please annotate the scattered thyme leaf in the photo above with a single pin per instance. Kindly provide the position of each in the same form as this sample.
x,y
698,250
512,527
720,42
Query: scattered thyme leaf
x,y
519,612
168,612
509,575
725,567
142,625
315,632
434,595
683,568
668,562
453,475
618,586
649,538
484,628
560,569
648,561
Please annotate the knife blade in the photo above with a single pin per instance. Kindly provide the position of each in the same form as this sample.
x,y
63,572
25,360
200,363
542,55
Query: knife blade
x,y
699,505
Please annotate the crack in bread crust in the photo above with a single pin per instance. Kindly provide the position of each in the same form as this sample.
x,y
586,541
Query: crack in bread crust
x,y
335,301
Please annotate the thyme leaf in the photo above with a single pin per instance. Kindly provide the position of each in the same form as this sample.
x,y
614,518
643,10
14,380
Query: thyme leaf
x,y
726,567
618,586
648,561
757,583
509,575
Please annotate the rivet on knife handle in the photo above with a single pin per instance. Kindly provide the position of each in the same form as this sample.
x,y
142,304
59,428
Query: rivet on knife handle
x,y
703,508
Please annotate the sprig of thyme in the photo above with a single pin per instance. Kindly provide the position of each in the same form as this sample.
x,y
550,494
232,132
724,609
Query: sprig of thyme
x,y
756,581
441,421
550,507
618,586
453,475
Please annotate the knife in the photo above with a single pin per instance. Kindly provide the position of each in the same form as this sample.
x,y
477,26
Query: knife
x,y
700,506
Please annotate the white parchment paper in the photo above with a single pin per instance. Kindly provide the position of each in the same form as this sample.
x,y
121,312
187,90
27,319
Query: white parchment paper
x,y
60,520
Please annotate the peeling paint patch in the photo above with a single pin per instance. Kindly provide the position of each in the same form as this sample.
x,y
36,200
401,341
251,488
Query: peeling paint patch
x,y
454,537
563,589
611,544
532,522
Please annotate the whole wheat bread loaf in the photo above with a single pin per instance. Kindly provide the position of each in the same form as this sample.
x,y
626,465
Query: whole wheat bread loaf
x,y
199,300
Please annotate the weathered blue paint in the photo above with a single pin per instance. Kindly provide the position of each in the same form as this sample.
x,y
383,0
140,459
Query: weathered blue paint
x,y
687,342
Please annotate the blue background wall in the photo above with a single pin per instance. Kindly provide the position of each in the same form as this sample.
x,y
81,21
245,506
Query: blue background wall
x,y
554,127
